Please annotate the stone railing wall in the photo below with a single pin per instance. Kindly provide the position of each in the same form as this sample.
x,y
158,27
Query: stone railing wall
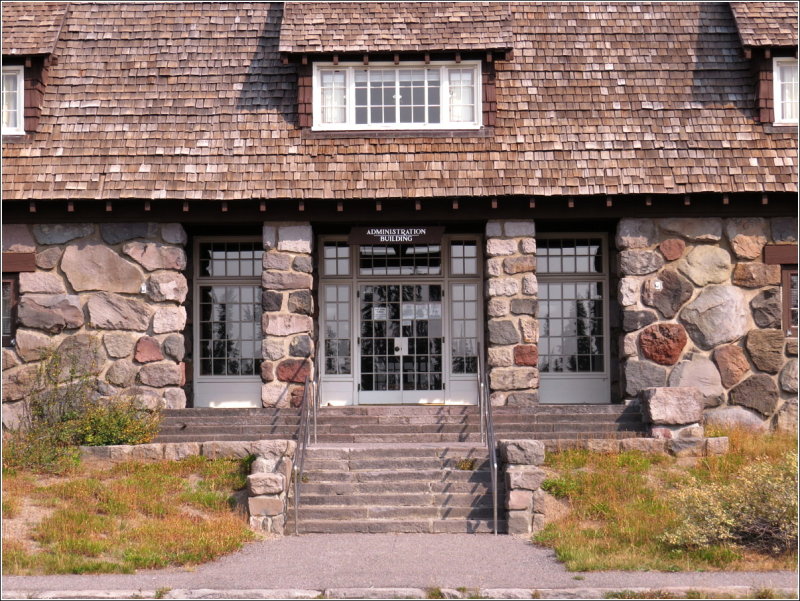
x,y
267,484
523,477
701,309
118,283
288,305
511,307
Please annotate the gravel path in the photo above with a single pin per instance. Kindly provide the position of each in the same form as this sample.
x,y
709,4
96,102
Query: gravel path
x,y
393,560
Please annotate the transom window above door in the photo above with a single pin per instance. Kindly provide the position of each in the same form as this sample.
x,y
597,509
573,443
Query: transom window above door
x,y
385,96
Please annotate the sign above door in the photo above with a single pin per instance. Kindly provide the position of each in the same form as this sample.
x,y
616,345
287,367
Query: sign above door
x,y
394,235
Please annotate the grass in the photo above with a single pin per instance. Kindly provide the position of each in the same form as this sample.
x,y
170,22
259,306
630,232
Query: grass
x,y
124,518
620,506
763,593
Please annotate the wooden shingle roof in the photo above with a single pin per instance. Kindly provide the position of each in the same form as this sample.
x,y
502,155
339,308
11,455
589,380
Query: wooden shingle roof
x,y
766,23
185,100
310,27
31,28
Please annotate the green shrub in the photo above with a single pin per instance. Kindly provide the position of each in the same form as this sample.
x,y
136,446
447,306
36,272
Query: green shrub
x,y
63,410
115,421
757,509
561,487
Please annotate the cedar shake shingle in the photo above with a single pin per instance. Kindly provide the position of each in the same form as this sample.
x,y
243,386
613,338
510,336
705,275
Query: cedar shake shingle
x,y
192,101
394,26
766,23
31,28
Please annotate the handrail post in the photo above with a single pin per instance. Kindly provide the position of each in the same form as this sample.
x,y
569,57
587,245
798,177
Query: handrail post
x,y
487,431
303,437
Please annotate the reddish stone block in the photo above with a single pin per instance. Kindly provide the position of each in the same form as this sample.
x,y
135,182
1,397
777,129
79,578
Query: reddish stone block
x,y
672,249
526,354
148,349
663,342
294,370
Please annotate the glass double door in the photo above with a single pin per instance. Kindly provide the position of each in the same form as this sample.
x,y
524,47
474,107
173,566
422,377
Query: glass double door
x,y
401,338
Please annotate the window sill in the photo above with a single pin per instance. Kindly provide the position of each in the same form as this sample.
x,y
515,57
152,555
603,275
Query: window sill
x,y
483,132
780,127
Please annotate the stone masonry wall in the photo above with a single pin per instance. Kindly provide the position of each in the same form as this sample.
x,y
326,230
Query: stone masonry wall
x,y
119,283
288,305
511,293
701,309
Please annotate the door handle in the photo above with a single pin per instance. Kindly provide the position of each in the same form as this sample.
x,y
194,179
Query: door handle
x,y
397,349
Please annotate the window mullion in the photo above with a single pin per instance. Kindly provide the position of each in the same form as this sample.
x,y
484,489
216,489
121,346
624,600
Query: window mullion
x,y
444,96
396,96
350,96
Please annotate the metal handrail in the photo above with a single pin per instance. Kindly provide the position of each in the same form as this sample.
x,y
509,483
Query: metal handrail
x,y
487,431
303,435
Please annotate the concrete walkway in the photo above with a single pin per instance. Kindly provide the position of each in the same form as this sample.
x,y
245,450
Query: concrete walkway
x,y
318,562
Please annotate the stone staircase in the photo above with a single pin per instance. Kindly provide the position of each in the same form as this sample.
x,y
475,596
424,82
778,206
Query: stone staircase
x,y
396,488
405,424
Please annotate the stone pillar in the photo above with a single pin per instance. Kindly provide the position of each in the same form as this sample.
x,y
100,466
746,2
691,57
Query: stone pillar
x,y
511,293
287,302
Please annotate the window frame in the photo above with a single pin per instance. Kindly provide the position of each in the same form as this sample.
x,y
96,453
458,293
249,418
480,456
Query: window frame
x,y
13,279
350,125
787,270
776,90
19,70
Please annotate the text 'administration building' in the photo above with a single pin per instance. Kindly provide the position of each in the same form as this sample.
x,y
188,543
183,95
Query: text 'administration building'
x,y
600,197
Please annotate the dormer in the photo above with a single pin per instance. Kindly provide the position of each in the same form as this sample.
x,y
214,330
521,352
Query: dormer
x,y
395,67
768,33
30,33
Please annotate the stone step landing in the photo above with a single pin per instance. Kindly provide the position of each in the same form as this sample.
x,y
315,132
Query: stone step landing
x,y
398,488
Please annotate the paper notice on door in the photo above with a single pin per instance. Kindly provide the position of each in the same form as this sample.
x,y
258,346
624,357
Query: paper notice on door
x,y
435,310
408,311
421,310
379,313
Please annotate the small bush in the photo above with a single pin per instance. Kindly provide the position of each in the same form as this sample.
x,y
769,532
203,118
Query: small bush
x,y
758,509
115,421
561,487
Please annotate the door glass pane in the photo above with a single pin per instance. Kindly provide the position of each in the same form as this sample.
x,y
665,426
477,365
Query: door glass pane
x,y
464,347
230,330
337,329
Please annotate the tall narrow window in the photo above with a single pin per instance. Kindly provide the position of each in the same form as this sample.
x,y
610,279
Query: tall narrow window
x,y
785,90
9,307
13,101
382,96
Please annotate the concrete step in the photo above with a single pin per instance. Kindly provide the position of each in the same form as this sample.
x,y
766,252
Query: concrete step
x,y
431,475
377,526
403,486
403,512
450,499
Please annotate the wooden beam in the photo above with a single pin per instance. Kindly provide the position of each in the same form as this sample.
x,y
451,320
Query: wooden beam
x,y
764,199
489,57
571,203
532,203
378,206
304,59
109,206
147,205
458,57
748,53
365,59
648,201
778,254
396,58
185,207
767,53
70,206
335,59
427,58
17,262
262,206
610,201
455,205
494,203
726,200
417,205
687,200
31,207
224,206
339,206
284,58
301,205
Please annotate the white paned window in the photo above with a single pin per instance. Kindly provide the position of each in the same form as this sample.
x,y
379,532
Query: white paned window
x,y
386,96
785,90
13,101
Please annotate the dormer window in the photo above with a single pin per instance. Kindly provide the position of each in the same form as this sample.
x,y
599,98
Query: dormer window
x,y
436,95
13,100
786,100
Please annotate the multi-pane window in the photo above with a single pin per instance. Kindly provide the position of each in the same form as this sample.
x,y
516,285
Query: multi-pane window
x,y
790,300
400,259
463,257
464,323
571,305
391,97
337,329
230,308
13,100
230,330
785,90
9,307
336,258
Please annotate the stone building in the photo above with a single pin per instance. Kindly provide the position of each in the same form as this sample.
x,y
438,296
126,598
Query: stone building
x,y
597,199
